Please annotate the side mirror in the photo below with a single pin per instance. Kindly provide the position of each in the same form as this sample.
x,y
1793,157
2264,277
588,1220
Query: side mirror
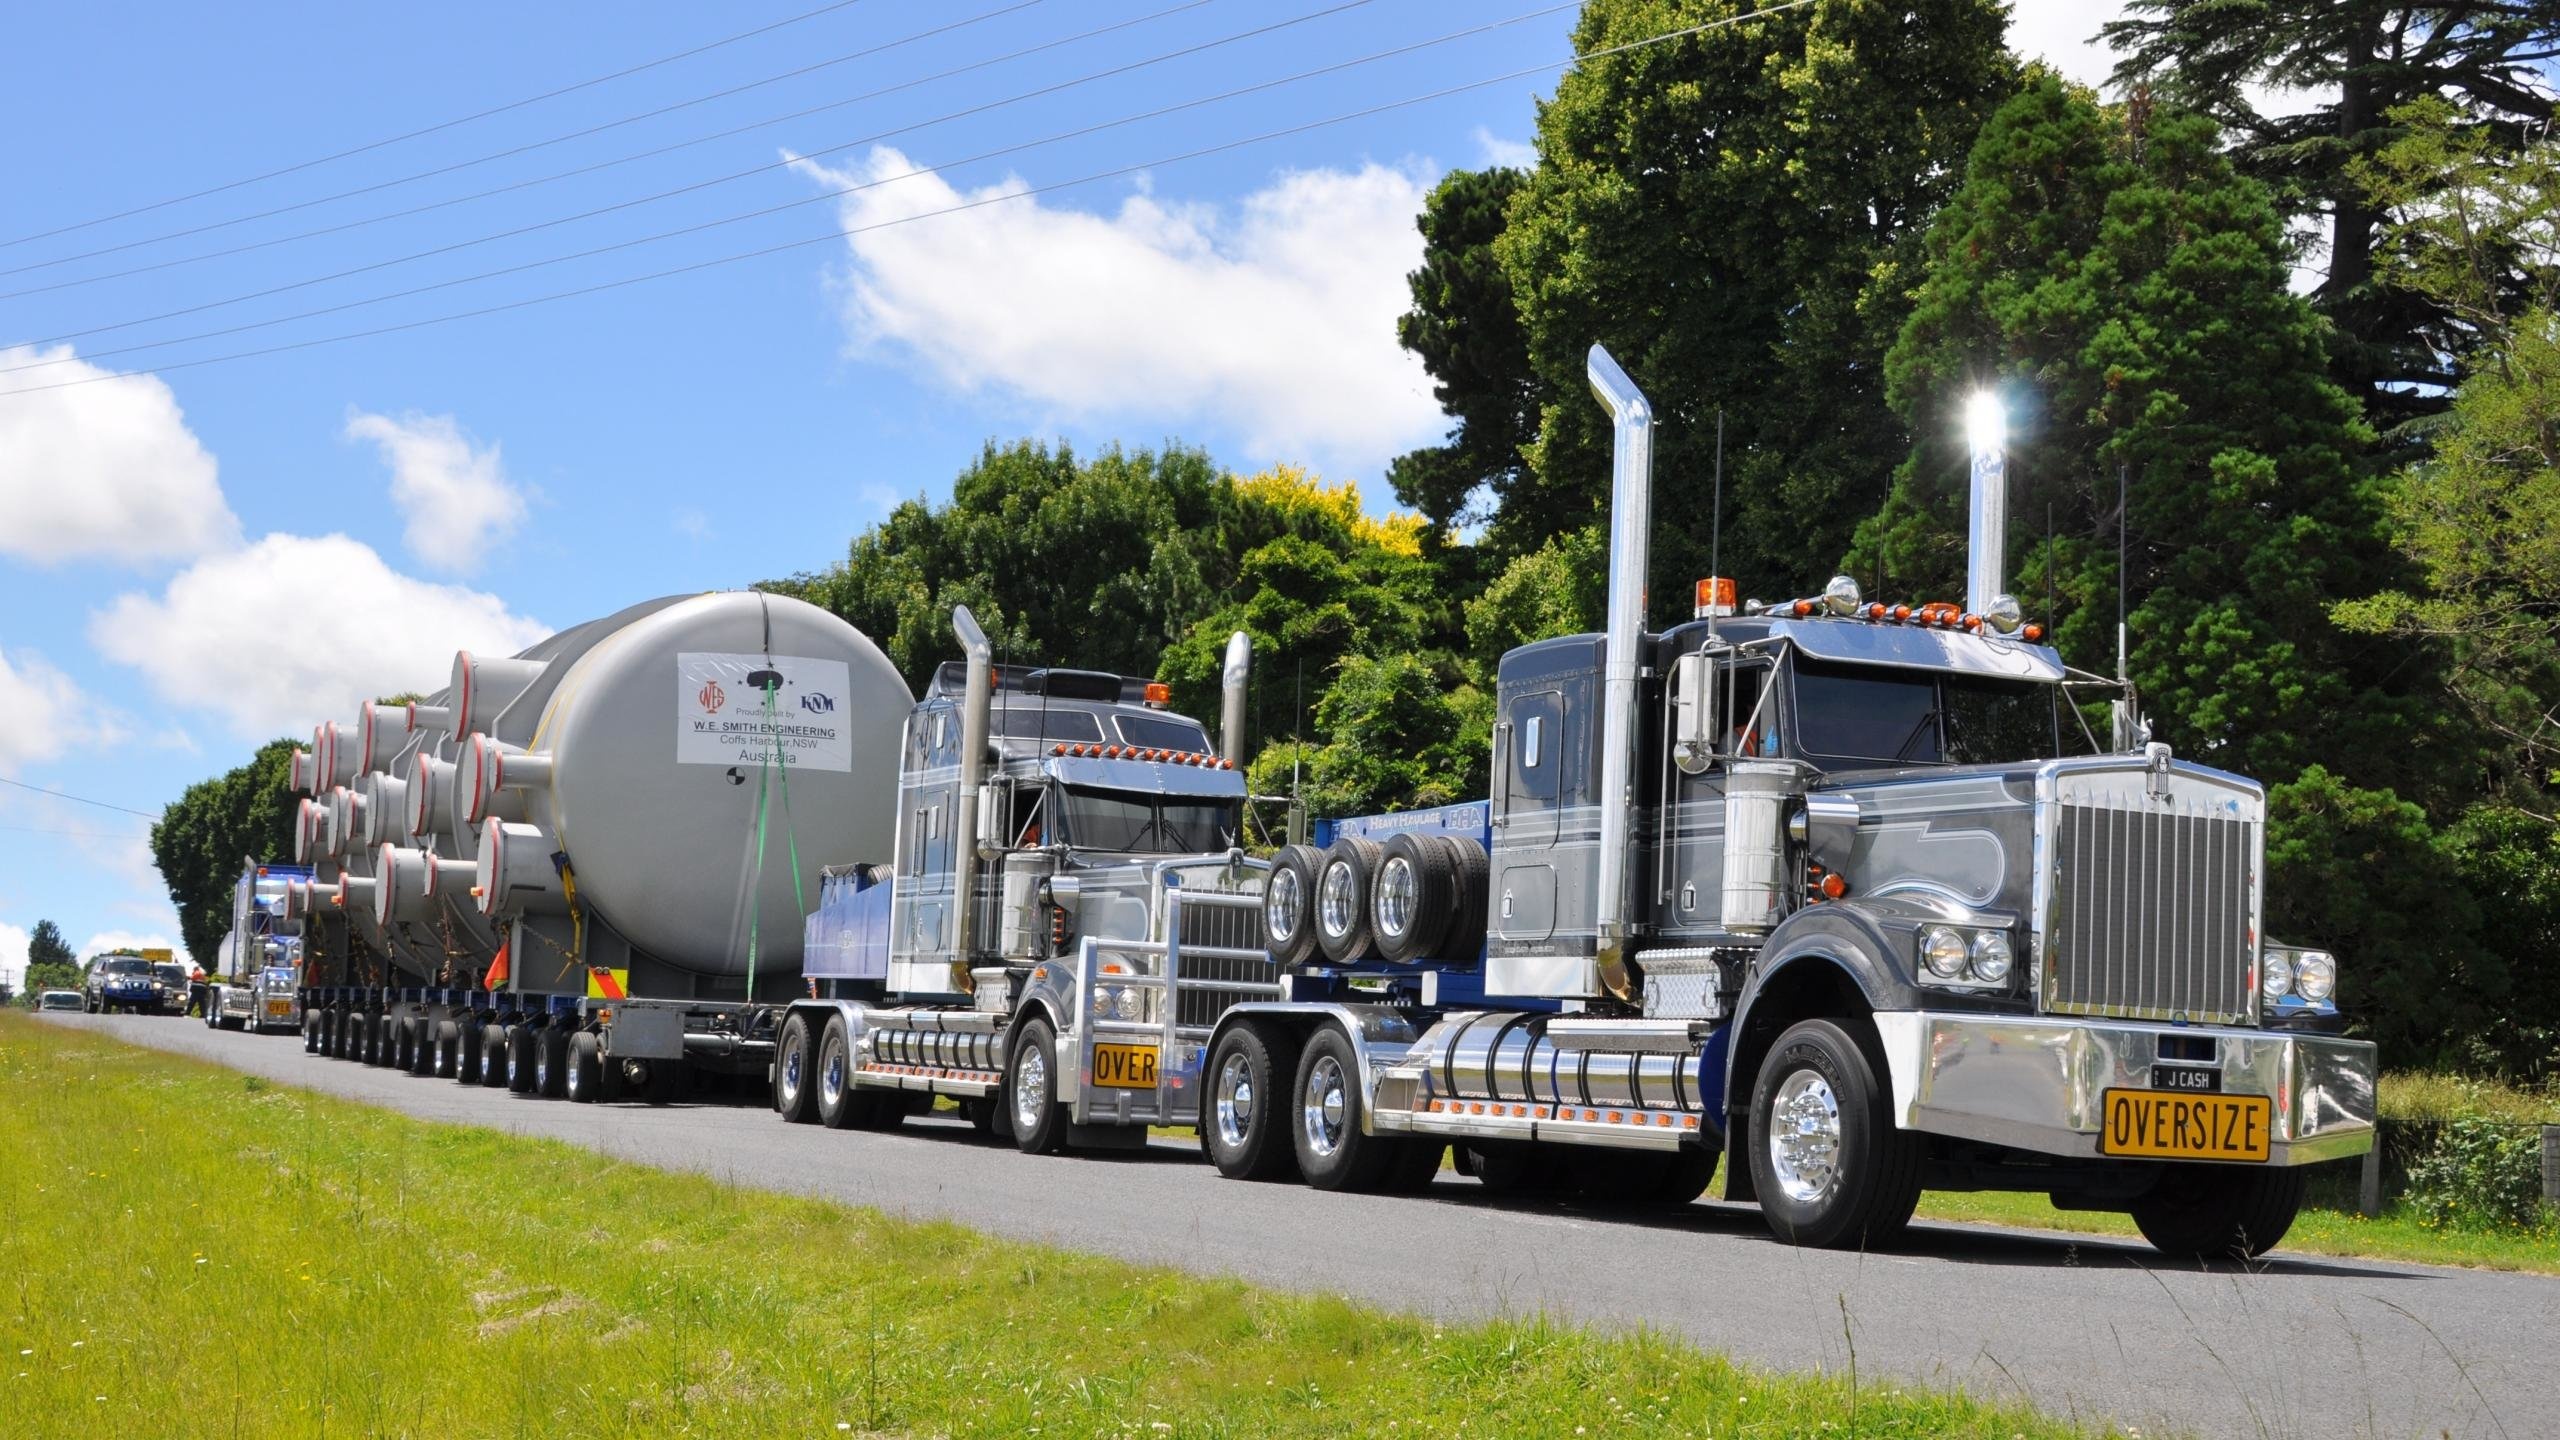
x,y
995,831
1693,714
2131,731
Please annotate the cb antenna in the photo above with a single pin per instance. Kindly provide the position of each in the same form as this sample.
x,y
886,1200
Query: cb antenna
x,y
1715,532
2123,511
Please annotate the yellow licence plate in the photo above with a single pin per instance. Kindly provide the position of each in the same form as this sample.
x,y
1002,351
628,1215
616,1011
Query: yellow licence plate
x,y
2169,1126
1125,1067
279,1007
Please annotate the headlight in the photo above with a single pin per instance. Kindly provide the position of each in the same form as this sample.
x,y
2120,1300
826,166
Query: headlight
x,y
1124,1002
1101,1002
2315,974
1991,957
1943,951
2278,981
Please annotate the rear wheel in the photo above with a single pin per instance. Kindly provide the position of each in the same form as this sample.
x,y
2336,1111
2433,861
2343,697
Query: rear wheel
x,y
1831,1169
497,1042
402,1052
1327,1109
836,1093
448,1049
2213,1212
524,1045
1245,1120
471,1045
551,1063
584,1080
1031,1092
795,1064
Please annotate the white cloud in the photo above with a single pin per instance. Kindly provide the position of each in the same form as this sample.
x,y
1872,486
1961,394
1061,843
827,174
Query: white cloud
x,y
47,714
691,523
453,495
2064,34
297,629
106,940
103,470
1274,320
1492,149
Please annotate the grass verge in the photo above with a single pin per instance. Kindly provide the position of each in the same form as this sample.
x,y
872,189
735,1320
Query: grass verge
x,y
191,1251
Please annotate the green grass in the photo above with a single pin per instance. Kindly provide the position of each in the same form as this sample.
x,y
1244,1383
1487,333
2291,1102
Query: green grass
x,y
2421,1095
190,1251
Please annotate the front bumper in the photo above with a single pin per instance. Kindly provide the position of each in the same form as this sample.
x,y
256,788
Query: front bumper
x,y
2037,1083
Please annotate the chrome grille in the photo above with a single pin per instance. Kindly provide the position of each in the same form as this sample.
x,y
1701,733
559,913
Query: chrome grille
x,y
2153,910
1214,926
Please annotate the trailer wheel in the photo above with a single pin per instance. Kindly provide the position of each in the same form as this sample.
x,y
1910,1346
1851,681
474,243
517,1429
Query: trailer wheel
x,y
837,1094
2200,1212
448,1049
1326,1111
794,1066
1342,899
1244,1119
551,1062
497,1042
1031,1091
524,1046
583,1081
1289,904
1412,896
470,1045
431,1055
1830,1168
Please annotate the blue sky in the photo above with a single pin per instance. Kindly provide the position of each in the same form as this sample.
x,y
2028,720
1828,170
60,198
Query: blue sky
x,y
197,557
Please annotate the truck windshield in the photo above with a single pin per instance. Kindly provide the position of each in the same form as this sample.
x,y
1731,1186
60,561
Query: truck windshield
x,y
1864,717
1147,824
1152,733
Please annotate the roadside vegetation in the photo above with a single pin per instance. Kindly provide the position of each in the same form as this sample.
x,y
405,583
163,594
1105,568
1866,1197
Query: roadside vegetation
x,y
353,1272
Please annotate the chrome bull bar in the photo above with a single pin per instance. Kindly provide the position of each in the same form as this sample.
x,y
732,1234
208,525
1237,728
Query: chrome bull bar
x,y
1177,1047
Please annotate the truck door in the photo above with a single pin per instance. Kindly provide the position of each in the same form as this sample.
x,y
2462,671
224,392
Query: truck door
x,y
1524,888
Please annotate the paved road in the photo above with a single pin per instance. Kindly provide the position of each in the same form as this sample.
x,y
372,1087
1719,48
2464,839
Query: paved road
x,y
2301,1346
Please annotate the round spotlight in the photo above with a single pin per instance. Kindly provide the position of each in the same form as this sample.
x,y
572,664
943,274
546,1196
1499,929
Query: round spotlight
x,y
2003,615
1841,596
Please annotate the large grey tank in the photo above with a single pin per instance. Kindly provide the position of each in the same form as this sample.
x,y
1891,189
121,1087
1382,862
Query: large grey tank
x,y
638,759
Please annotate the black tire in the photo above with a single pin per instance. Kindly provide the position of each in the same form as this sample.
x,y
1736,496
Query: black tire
x,y
551,1063
448,1059
1464,944
377,1040
839,1099
1325,1114
2217,1212
1412,896
1851,1178
795,1065
1342,899
1510,1167
333,1033
582,1077
1289,904
1244,1109
402,1053
524,1046
1031,1091
496,1043
310,1033
471,1046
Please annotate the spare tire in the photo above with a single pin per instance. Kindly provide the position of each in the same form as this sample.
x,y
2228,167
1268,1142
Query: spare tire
x,y
1289,904
1342,899
1412,896
1463,944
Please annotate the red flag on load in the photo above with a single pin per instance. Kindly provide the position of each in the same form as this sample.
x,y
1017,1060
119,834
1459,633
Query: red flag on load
x,y
497,975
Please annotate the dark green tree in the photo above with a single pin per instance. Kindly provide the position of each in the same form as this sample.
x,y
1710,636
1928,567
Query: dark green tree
x,y
1465,326
45,947
205,837
1734,215
2358,61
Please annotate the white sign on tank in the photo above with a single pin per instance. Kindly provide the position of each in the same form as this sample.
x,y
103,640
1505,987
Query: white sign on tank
x,y
721,711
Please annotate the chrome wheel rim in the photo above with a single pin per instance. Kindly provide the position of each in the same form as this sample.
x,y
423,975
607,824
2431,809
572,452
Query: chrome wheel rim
x,y
1281,905
1030,1087
542,1065
1395,896
1321,1108
1804,1137
791,1074
1334,908
1235,1101
831,1082
575,1089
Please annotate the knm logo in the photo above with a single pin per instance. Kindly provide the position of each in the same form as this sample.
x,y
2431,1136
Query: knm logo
x,y
817,704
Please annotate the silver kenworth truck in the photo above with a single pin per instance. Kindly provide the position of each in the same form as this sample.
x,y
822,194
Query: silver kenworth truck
x,y
1845,891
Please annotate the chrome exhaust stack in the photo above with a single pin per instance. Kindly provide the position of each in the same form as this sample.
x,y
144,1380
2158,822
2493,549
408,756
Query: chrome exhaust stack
x,y
1239,668
1987,511
977,697
1630,534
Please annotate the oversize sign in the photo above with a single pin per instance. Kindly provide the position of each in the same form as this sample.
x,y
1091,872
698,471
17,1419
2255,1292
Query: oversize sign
x,y
721,712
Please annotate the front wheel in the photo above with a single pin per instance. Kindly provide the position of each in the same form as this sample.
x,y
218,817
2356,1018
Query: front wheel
x,y
1031,1092
2213,1212
1328,1110
1832,1170
1245,1121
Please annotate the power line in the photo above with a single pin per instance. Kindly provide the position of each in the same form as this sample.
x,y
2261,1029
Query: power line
x,y
734,175
1028,192
999,152
441,125
82,799
77,834
588,169
526,148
